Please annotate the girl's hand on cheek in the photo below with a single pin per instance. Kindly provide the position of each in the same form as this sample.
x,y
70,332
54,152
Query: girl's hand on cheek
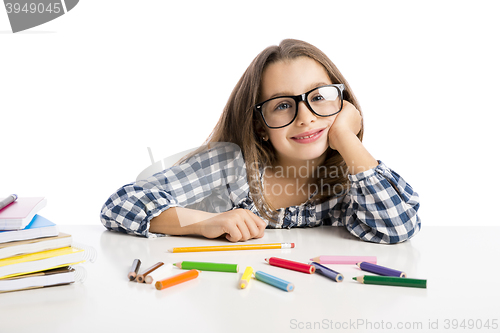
x,y
347,121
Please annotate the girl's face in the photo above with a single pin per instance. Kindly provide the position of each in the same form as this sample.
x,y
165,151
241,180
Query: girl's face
x,y
292,143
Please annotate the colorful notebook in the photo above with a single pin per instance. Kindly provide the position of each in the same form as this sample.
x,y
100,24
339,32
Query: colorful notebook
x,y
52,277
40,261
37,228
20,213
34,245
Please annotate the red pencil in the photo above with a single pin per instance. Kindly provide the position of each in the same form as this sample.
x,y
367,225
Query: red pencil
x,y
293,265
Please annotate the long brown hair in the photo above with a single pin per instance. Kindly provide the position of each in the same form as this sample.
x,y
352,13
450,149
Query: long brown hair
x,y
239,123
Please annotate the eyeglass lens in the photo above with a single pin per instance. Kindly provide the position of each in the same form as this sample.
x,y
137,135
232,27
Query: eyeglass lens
x,y
281,111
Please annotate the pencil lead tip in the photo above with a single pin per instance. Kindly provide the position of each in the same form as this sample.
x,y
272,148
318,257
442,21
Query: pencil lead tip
x,y
355,278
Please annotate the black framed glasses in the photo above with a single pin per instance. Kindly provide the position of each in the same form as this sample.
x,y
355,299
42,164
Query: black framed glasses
x,y
281,111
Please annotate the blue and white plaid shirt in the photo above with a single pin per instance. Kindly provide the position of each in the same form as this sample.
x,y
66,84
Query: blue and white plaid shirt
x,y
379,207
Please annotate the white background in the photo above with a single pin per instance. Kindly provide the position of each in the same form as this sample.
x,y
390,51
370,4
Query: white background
x,y
83,96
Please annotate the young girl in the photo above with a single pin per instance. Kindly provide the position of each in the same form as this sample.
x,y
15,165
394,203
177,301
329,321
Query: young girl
x,y
285,153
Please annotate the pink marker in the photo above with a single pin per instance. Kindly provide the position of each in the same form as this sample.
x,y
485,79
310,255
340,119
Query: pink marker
x,y
344,260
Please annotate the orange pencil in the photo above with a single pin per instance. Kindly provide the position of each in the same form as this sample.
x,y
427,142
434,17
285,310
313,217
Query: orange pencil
x,y
176,279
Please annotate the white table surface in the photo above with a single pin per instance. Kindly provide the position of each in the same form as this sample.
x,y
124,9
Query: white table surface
x,y
459,263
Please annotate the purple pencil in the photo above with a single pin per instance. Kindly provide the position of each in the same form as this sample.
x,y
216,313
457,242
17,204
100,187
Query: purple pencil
x,y
380,270
329,273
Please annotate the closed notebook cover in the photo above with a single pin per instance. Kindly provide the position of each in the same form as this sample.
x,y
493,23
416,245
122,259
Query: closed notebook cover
x,y
34,245
20,213
38,227
52,277
39,261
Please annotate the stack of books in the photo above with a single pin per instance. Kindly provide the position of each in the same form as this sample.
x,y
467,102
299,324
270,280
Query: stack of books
x,y
33,253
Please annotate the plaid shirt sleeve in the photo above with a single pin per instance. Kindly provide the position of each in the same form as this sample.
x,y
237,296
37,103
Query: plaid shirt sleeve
x,y
219,168
381,207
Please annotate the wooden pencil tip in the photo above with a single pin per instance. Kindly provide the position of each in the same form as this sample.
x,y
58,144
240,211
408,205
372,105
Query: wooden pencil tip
x,y
170,250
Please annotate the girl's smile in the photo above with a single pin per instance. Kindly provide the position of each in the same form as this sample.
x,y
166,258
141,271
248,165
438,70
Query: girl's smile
x,y
308,137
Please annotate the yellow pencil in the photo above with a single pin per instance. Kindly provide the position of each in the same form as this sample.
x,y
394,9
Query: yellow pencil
x,y
245,278
233,247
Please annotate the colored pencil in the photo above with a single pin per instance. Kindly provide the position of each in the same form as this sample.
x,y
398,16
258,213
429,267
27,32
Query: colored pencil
x,y
245,278
380,270
391,281
329,273
233,247
142,276
176,279
293,265
207,266
134,269
274,281
7,201
158,274
344,260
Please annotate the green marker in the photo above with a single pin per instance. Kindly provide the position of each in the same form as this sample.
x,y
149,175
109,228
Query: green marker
x,y
207,266
391,281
